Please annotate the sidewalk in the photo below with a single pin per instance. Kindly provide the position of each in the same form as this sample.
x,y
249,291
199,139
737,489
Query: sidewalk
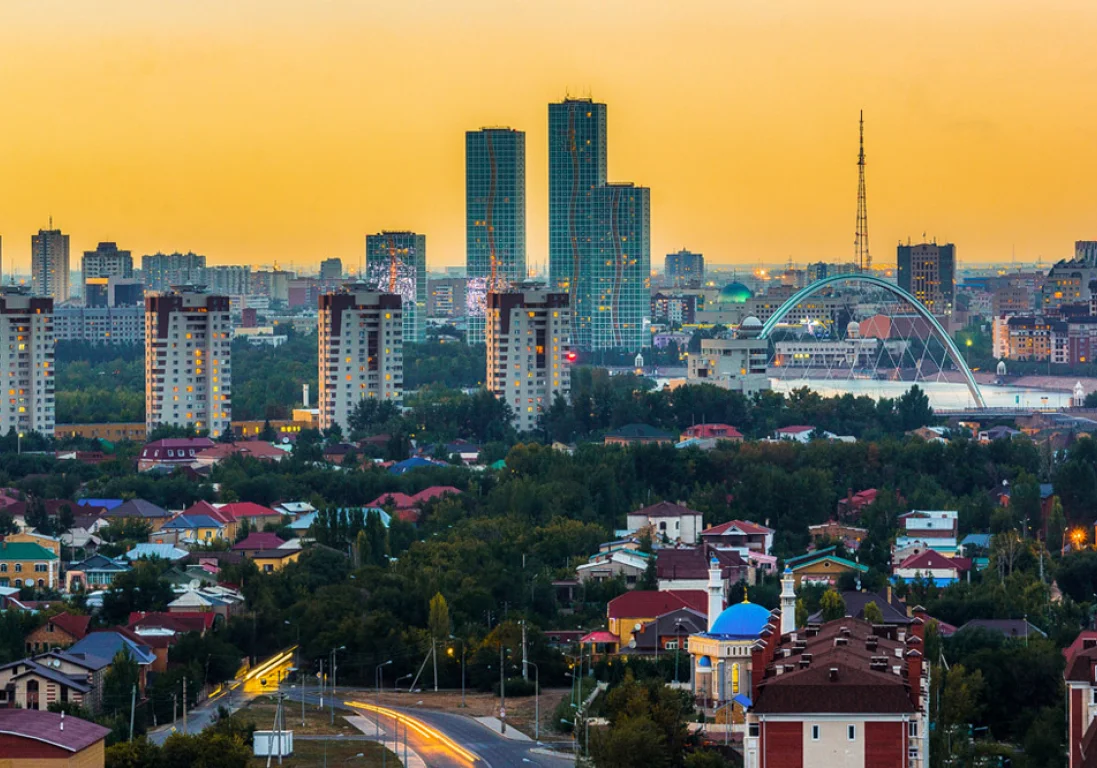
x,y
496,725
368,726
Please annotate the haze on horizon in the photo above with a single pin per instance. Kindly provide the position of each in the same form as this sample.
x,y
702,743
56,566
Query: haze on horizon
x,y
267,130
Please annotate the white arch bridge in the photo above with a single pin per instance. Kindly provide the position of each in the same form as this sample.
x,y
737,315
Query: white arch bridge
x,y
936,330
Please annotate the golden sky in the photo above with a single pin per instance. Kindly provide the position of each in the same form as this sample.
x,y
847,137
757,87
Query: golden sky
x,y
256,131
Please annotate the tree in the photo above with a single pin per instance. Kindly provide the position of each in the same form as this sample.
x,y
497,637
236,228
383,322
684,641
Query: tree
x,y
832,605
872,613
619,746
438,622
119,684
1056,526
373,536
268,434
649,580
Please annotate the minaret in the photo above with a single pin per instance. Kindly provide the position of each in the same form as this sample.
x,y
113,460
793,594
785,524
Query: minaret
x,y
788,602
715,592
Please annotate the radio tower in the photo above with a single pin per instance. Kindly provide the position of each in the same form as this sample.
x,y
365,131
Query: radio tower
x,y
860,244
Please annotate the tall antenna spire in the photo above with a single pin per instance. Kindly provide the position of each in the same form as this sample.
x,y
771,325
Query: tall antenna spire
x,y
860,244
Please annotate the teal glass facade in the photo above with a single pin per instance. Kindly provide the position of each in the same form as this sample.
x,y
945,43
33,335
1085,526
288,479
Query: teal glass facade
x,y
396,262
495,215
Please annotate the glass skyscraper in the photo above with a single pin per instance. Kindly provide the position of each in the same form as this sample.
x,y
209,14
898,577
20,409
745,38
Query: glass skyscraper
x,y
599,233
495,216
396,262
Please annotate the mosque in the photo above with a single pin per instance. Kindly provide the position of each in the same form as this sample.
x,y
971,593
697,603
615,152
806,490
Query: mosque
x,y
721,656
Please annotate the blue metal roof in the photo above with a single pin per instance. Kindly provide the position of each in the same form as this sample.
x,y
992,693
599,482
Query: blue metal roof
x,y
741,621
108,503
106,644
188,522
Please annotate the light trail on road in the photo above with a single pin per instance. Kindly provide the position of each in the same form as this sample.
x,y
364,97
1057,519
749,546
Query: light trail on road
x,y
425,731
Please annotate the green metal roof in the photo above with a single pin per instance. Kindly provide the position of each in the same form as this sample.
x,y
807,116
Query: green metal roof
x,y
833,558
24,550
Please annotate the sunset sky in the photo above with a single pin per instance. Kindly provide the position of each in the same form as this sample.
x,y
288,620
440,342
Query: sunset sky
x,y
256,131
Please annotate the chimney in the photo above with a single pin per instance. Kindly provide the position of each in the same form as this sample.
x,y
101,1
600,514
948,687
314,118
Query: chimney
x,y
914,677
757,668
918,627
305,395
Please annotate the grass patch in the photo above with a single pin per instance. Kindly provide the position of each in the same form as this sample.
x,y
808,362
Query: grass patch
x,y
339,752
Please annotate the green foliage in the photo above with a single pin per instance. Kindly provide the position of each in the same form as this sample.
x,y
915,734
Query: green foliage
x,y
645,718
832,605
872,613
119,683
140,589
438,622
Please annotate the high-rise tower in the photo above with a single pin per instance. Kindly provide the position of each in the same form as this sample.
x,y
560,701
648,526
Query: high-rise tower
x,y
861,255
396,262
50,264
495,215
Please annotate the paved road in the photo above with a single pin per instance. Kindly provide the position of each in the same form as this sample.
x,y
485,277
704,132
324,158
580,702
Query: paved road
x,y
446,740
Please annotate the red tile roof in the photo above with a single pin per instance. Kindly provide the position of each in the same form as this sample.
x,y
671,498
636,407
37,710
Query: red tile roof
x,y
795,429
743,525
705,431
258,541
75,625
402,501
243,509
45,727
184,621
205,508
648,603
600,636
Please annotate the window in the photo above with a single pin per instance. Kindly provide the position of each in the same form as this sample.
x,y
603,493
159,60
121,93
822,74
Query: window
x,y
734,679
851,732
912,729
18,567
815,733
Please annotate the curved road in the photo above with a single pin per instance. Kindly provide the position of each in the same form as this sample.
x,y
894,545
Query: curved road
x,y
446,740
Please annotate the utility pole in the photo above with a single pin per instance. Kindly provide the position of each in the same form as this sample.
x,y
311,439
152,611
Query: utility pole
x,y
321,685
133,707
184,706
525,662
502,693
174,707
434,656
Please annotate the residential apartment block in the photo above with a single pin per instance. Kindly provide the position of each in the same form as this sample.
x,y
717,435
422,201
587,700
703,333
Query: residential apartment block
x,y
528,350
100,325
928,271
161,271
49,264
361,351
26,329
104,262
188,370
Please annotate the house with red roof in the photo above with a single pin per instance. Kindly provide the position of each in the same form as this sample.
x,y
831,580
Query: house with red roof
x,y
740,535
172,452
712,432
800,433
932,566
256,515
58,631
631,610
850,507
257,541
35,737
409,508
255,449
1080,675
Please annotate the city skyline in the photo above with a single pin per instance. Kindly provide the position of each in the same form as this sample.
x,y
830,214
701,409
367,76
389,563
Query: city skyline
x,y
195,137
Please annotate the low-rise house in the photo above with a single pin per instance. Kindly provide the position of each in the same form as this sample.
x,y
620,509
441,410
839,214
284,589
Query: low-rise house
x,y
301,525
295,510
82,668
823,566
139,509
997,433
800,433
181,622
638,434
850,507
190,529
741,535
415,462
845,692
1080,675
469,453
34,738
256,515
260,450
936,527
274,560
667,633
336,453
409,508
891,608
629,612
222,601
26,684
933,567
668,522
106,504
688,568
1014,629
26,564
711,432
96,572
156,551
107,643
257,542
228,524
28,536
172,452
624,563
58,631
849,535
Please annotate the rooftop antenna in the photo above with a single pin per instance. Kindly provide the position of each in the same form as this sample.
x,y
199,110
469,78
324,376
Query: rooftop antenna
x,y
860,244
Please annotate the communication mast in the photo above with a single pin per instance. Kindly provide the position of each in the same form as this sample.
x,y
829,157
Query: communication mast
x,y
860,244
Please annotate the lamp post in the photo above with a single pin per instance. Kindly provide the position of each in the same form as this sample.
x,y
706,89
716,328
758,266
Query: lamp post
x,y
334,652
677,646
19,443
536,702
460,640
300,672
377,674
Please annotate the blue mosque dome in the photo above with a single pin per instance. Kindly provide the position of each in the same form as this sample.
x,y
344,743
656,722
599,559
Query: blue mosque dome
x,y
734,293
742,621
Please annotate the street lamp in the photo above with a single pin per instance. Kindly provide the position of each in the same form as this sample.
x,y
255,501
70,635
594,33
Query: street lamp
x,y
377,673
300,672
334,652
536,702
450,651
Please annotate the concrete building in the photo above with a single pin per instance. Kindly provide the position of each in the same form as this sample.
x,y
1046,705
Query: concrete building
x,y
361,351
684,269
495,212
1080,675
161,271
447,297
1035,338
100,325
331,269
528,351
26,328
396,262
188,367
928,271
104,262
737,363
228,280
100,292
49,264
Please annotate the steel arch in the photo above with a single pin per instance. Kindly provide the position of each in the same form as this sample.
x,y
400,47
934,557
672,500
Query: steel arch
x,y
938,329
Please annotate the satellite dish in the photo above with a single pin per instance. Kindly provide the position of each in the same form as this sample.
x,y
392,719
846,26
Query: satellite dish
x,y
632,643
638,627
